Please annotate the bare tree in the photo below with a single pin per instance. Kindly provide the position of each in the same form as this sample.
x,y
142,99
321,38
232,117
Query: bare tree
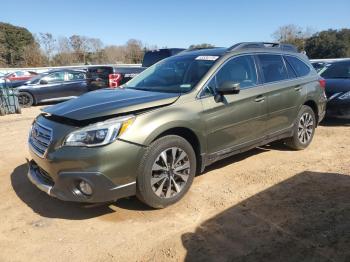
x,y
64,54
134,49
292,34
115,54
32,56
47,43
80,47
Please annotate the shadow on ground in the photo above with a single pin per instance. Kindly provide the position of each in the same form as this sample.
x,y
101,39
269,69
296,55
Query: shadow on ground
x,y
305,218
335,122
47,206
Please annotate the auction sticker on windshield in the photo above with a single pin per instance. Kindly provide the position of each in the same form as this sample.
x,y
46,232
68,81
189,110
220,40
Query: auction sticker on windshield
x,y
207,57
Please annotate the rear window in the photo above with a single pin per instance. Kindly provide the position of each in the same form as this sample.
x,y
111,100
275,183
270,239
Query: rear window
x,y
273,68
299,66
99,72
336,70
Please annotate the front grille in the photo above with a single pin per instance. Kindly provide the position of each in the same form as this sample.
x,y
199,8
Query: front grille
x,y
40,138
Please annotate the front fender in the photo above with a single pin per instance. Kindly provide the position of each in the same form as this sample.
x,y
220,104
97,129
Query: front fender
x,y
149,125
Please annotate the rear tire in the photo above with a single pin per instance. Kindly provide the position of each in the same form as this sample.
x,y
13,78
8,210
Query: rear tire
x,y
166,171
25,99
304,129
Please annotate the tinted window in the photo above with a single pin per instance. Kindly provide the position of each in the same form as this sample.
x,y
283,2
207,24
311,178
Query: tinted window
x,y
72,76
299,66
54,77
273,68
337,70
290,70
238,70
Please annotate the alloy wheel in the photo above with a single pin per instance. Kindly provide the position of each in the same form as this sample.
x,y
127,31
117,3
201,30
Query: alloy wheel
x,y
305,128
170,172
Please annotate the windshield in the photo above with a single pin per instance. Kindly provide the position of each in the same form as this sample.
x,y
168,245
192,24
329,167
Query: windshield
x,y
173,75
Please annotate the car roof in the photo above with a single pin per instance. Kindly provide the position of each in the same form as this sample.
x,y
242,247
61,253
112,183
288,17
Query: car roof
x,y
216,51
64,70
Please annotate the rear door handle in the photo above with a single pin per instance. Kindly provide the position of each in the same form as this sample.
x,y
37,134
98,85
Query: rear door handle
x,y
298,88
259,98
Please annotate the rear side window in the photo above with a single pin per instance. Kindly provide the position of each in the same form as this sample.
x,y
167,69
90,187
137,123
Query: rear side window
x,y
299,66
290,70
272,68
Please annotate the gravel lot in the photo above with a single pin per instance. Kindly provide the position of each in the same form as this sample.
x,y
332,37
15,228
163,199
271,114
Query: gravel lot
x,y
269,204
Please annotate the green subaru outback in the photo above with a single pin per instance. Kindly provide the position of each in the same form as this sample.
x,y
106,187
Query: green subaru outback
x,y
153,135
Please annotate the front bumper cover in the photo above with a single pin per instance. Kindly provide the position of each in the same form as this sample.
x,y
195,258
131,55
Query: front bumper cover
x,y
66,185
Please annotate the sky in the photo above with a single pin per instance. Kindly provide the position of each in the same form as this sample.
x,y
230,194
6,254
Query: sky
x,y
176,23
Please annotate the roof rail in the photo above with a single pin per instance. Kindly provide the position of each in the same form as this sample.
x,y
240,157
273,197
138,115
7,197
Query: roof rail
x,y
245,45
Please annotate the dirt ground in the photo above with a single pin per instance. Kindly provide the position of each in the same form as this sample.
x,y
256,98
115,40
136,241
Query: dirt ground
x,y
269,204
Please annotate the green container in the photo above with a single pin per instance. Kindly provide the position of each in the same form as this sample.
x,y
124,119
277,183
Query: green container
x,y
8,99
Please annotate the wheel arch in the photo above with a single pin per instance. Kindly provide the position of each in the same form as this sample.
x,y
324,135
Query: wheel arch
x,y
313,105
31,93
191,137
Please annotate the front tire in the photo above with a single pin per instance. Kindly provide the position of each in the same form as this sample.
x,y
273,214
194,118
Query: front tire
x,y
25,99
166,171
304,129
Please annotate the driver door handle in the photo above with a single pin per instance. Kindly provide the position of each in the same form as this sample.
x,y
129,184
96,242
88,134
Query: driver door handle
x,y
259,98
298,88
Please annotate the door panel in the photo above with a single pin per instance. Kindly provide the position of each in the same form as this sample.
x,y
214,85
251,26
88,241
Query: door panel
x,y
239,119
283,92
283,99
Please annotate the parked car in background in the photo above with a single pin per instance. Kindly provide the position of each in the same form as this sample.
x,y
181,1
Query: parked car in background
x,y
110,76
152,136
54,85
318,65
153,56
114,76
20,75
18,78
337,78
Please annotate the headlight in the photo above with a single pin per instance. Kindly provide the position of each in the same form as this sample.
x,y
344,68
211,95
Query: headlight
x,y
99,134
345,96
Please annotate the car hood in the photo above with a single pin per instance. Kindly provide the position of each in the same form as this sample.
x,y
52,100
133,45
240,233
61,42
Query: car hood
x,y
108,102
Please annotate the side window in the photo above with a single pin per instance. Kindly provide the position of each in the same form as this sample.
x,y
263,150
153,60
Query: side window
x,y
209,89
299,66
273,68
55,77
290,70
76,76
240,70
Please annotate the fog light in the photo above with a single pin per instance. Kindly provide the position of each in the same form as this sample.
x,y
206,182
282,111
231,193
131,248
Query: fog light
x,y
85,188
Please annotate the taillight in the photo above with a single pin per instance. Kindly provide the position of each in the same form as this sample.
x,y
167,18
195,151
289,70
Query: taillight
x,y
114,80
322,83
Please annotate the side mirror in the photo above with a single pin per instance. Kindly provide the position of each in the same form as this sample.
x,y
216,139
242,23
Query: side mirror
x,y
228,88
43,82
